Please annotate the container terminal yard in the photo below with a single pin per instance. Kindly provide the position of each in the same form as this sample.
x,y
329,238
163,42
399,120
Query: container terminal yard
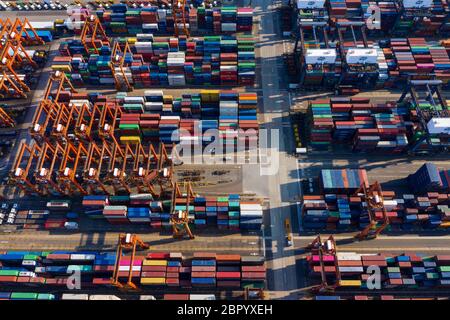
x,y
226,150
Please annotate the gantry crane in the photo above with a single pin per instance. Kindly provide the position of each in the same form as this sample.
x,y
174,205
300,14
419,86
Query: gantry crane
x,y
23,32
117,175
320,248
20,174
49,109
411,11
88,122
5,32
373,197
65,121
70,170
93,31
118,62
127,242
11,86
431,92
179,219
164,171
12,58
6,120
151,169
44,117
45,173
179,15
94,167
143,168
110,114
57,83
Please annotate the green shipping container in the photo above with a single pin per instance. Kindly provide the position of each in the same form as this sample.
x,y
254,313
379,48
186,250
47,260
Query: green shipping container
x,y
24,296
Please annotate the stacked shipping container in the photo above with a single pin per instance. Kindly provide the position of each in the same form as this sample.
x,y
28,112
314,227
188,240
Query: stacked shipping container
x,y
157,270
412,271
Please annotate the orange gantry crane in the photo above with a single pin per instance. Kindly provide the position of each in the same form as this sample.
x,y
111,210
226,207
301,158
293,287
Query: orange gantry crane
x,y
57,83
144,170
70,170
50,109
127,242
179,14
65,122
320,248
11,86
45,116
110,114
94,167
21,31
6,120
49,156
179,217
373,196
118,63
93,36
117,174
87,122
12,58
20,174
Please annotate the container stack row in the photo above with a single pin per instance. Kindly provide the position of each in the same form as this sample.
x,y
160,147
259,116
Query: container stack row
x,y
416,58
229,212
193,119
333,211
212,60
122,20
209,270
358,122
408,271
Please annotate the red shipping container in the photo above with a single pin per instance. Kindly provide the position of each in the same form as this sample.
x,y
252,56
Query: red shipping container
x,y
229,275
176,297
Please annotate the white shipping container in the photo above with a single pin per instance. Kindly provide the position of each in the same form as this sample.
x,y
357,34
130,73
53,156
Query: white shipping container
x,y
103,297
417,3
320,56
348,256
134,100
361,56
77,256
439,126
72,296
255,206
351,269
127,268
157,93
202,297
310,4
118,208
251,213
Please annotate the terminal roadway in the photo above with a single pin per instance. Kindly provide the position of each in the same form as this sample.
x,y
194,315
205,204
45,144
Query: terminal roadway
x,y
282,185
107,240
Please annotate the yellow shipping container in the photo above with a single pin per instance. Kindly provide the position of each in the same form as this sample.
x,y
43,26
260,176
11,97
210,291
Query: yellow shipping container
x,y
154,263
153,280
167,99
209,95
445,224
63,68
350,283
132,139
